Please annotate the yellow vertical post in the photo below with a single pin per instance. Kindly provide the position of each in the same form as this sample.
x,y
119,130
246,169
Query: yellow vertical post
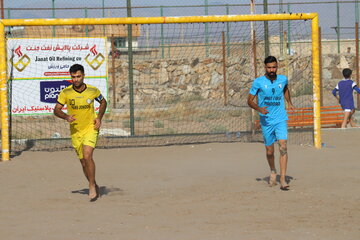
x,y
5,153
316,81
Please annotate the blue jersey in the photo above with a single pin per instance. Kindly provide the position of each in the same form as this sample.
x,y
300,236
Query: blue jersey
x,y
345,88
271,95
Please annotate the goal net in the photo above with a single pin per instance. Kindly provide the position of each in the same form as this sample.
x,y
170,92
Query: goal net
x,y
186,81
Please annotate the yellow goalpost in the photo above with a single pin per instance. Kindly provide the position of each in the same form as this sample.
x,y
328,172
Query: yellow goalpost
x,y
5,137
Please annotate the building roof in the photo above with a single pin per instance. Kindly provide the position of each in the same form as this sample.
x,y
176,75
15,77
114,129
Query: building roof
x,y
80,31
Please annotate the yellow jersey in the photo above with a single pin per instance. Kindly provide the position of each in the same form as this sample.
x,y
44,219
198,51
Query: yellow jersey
x,y
81,106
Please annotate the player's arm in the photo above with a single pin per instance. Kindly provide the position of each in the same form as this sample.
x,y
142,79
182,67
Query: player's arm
x,y
334,92
288,98
356,88
102,109
254,106
255,88
59,113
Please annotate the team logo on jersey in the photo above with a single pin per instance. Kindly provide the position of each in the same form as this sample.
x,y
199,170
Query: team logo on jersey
x,y
88,100
266,86
280,85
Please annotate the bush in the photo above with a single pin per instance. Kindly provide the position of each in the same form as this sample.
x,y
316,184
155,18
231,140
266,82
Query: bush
x,y
158,124
218,129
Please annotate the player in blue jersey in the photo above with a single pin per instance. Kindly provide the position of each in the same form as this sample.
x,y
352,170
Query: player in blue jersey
x,y
346,99
271,90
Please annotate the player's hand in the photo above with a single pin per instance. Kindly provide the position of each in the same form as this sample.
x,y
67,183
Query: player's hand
x,y
97,124
263,110
70,118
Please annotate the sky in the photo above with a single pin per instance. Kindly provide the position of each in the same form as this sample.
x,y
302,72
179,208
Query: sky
x,y
327,11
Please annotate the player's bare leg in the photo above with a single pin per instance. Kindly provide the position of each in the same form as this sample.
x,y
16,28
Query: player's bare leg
x,y
346,119
82,161
351,121
271,160
89,171
86,174
283,164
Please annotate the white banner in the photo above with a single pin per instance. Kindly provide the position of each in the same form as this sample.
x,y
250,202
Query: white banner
x,y
39,69
39,96
44,58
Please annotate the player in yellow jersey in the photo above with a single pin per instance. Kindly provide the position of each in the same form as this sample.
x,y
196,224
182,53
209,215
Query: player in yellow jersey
x,y
84,123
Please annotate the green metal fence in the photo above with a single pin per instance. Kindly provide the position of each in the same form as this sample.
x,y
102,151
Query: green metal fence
x,y
337,18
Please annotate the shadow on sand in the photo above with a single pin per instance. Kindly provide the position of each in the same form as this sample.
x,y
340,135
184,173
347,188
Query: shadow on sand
x,y
103,191
266,179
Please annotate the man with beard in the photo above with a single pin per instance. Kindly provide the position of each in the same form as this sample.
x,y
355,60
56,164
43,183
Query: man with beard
x,y
271,90
84,122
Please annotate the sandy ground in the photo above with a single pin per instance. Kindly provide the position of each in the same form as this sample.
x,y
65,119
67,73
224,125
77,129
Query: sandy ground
x,y
192,192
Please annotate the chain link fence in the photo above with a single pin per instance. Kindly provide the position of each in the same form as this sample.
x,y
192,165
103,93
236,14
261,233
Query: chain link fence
x,y
178,69
337,18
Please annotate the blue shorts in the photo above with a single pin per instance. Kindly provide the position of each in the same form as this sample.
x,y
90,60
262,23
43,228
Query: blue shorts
x,y
274,132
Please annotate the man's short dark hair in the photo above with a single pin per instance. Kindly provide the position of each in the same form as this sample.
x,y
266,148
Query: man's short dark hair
x,y
76,67
270,59
347,73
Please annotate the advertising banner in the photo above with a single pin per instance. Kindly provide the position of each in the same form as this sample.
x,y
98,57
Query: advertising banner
x,y
39,96
39,70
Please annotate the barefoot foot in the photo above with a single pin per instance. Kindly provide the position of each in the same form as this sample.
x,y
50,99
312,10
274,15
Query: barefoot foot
x,y
272,179
284,185
93,193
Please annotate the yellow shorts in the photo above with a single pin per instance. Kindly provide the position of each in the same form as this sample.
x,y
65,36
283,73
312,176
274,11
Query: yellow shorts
x,y
88,138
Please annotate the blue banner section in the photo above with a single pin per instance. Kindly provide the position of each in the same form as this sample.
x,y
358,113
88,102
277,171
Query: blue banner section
x,y
49,90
